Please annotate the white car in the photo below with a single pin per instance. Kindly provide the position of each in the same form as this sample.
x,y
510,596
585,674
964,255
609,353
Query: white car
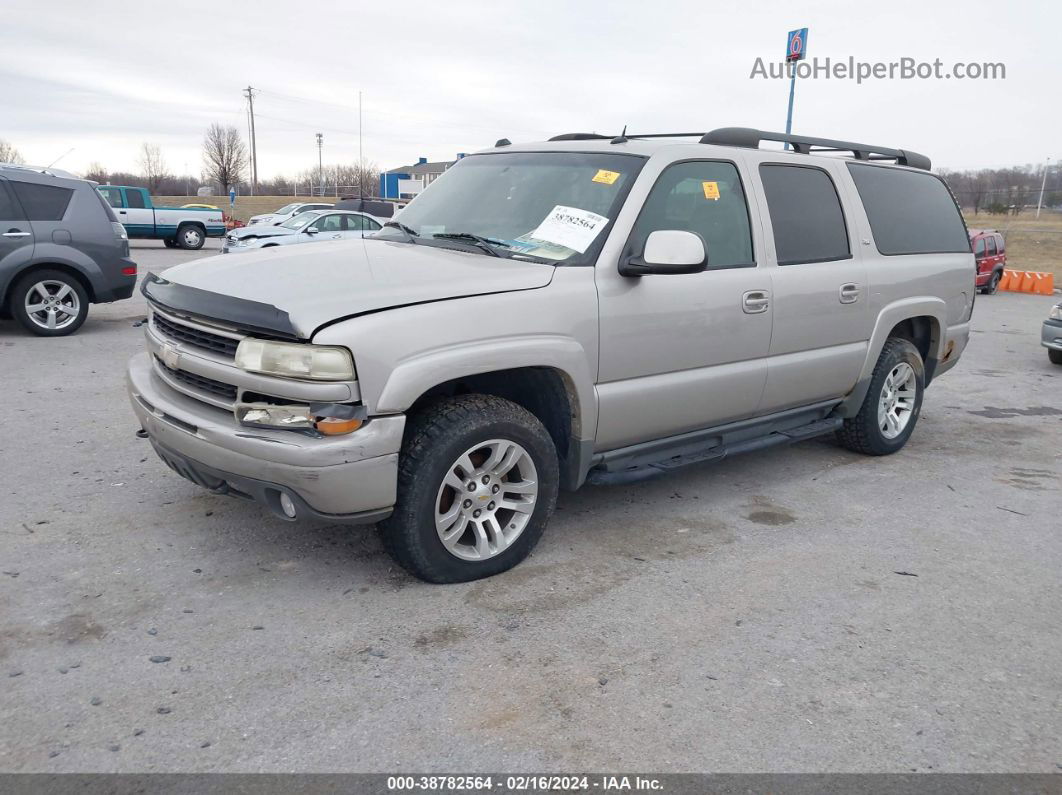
x,y
307,227
286,212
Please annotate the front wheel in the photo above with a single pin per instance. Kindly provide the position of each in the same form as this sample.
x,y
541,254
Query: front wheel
x,y
892,404
190,237
477,484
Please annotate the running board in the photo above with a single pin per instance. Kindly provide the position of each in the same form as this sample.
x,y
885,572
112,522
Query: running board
x,y
641,462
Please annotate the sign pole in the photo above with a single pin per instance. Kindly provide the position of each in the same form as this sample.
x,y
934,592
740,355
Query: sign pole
x,y
796,49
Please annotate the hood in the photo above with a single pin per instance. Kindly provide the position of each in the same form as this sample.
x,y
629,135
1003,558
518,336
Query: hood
x,y
328,281
261,230
263,218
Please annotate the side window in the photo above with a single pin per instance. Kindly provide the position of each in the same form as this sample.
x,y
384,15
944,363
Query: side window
x,y
705,197
369,225
134,198
992,246
979,247
1000,245
42,202
329,223
112,195
353,223
9,211
805,213
910,212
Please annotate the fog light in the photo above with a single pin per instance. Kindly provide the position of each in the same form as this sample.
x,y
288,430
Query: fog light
x,y
287,506
264,415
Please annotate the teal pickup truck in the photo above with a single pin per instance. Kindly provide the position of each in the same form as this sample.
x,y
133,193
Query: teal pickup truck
x,y
183,227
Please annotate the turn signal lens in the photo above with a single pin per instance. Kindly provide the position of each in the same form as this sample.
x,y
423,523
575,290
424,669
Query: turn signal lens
x,y
333,426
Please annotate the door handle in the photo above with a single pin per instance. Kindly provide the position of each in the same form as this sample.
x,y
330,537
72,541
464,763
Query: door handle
x,y
121,212
849,293
16,233
755,301
336,237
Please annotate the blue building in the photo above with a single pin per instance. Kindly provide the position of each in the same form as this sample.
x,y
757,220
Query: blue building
x,y
406,182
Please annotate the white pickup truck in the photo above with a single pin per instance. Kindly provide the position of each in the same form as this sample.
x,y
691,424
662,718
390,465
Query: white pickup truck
x,y
184,227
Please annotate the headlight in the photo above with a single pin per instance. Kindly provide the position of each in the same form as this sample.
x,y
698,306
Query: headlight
x,y
292,360
1056,312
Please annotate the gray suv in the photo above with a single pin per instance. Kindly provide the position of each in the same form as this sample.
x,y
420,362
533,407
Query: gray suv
x,y
61,248
588,309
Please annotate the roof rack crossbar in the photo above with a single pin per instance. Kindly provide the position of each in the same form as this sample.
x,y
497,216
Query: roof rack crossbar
x,y
803,144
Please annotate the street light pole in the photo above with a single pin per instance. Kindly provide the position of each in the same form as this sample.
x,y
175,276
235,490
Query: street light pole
x,y
1043,184
320,162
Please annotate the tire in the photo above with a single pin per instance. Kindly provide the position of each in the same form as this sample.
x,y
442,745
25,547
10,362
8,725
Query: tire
x,y
993,283
169,242
864,433
191,237
62,300
1054,356
481,429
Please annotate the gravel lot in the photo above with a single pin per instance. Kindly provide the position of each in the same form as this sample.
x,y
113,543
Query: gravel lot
x,y
802,609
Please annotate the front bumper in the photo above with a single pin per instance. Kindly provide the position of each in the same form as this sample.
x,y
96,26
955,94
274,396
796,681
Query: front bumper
x,y
348,478
1051,334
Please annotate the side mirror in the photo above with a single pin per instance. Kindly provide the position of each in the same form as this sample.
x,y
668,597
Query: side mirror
x,y
312,230
668,251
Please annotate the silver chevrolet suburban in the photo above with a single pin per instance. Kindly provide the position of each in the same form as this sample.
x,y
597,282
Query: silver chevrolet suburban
x,y
591,309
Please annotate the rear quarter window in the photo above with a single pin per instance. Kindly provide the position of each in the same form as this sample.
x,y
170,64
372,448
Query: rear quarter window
x,y
910,212
806,214
42,202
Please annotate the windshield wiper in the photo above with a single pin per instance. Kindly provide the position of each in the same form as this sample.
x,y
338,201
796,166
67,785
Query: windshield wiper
x,y
411,235
486,243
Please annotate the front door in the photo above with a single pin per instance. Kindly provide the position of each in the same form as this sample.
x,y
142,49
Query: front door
x,y
821,296
138,219
684,352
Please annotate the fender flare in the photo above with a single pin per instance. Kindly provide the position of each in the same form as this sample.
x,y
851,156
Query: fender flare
x,y
888,318
412,377
50,255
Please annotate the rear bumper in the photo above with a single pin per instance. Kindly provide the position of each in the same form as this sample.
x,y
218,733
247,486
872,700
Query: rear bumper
x,y
1051,334
343,478
117,287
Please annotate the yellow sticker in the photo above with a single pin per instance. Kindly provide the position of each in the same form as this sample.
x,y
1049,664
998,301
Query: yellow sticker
x,y
711,190
607,177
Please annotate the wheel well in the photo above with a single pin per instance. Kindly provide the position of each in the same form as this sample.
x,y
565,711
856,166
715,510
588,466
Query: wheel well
x,y
543,391
198,224
919,331
74,273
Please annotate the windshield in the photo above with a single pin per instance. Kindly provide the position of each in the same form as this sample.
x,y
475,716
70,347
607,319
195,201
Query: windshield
x,y
287,208
300,220
551,205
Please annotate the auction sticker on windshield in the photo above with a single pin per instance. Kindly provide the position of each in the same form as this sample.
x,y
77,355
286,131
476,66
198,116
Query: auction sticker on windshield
x,y
570,227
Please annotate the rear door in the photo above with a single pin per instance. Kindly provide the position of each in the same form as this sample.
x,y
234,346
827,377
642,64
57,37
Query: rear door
x,y
45,206
139,219
355,226
16,234
821,319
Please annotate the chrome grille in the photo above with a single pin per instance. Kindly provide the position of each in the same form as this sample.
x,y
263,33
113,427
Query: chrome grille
x,y
219,388
195,337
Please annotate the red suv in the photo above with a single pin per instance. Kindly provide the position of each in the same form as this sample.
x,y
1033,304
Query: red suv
x,y
991,256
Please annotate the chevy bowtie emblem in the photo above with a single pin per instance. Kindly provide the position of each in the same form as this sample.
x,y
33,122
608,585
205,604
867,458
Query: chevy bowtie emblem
x,y
170,356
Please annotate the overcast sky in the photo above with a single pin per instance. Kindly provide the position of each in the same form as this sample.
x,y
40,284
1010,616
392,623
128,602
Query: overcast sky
x,y
445,77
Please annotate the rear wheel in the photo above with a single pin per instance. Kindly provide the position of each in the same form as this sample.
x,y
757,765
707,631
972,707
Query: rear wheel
x,y
993,283
1054,356
190,237
892,404
477,483
49,303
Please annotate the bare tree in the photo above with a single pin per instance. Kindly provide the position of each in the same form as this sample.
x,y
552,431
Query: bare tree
x,y
96,172
9,154
224,155
152,166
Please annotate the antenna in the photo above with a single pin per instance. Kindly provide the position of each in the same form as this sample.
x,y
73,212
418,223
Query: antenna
x,y
622,137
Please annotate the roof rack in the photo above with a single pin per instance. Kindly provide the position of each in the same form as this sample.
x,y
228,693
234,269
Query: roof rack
x,y
806,145
750,138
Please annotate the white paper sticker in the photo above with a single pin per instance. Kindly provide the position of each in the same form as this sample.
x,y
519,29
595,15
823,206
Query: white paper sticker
x,y
570,227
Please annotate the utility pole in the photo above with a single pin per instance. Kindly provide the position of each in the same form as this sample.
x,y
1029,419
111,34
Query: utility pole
x,y
249,93
1043,185
320,162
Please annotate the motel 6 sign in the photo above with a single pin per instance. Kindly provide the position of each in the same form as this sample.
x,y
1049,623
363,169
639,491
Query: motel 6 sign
x,y
797,47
